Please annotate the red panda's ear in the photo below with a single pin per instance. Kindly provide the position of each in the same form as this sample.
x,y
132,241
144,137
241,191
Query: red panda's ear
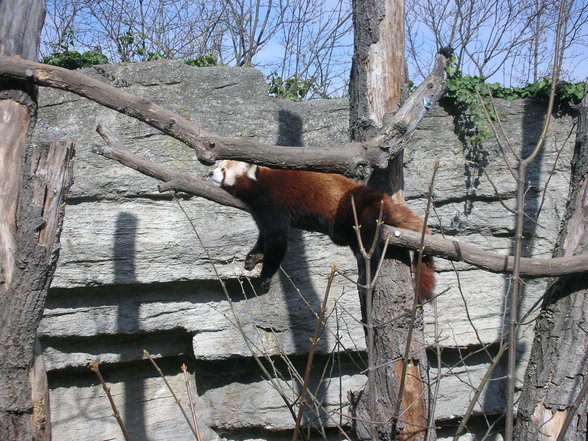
x,y
252,172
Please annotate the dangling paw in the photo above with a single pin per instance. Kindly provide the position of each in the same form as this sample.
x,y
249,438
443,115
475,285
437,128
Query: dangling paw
x,y
252,259
265,285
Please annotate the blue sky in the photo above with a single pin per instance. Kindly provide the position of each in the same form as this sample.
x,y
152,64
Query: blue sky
x,y
575,63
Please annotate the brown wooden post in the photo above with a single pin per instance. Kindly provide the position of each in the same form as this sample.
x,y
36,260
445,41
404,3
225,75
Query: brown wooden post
x,y
29,264
377,88
33,183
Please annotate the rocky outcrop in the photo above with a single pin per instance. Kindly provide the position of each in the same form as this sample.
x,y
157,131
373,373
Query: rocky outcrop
x,y
138,269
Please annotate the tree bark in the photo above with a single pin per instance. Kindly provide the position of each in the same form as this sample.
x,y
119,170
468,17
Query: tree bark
x,y
378,70
392,297
34,180
399,410
553,403
20,27
32,230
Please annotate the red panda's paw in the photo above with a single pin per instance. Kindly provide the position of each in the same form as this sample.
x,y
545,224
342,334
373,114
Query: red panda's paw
x,y
265,285
251,260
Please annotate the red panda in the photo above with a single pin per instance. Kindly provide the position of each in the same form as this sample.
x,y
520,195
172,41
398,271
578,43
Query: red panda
x,y
321,202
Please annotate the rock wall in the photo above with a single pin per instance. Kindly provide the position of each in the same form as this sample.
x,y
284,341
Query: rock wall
x,y
138,269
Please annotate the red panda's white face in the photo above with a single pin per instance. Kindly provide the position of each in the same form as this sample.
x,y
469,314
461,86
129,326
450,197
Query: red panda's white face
x,y
227,172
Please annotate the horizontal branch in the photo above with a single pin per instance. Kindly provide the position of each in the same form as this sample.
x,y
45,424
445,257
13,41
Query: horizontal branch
x,y
453,250
208,147
433,245
346,158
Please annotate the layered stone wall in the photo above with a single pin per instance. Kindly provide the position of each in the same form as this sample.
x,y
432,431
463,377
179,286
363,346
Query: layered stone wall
x,y
138,268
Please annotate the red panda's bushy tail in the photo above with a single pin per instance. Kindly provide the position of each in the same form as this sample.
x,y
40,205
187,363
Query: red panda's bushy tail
x,y
403,217
427,277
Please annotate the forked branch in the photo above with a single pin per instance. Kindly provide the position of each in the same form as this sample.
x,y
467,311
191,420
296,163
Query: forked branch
x,y
341,158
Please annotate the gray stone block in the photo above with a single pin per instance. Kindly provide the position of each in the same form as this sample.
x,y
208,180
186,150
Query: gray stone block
x,y
133,275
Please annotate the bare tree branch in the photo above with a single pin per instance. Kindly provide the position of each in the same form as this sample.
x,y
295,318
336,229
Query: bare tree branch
x,y
343,158
172,180
454,250
433,245
208,147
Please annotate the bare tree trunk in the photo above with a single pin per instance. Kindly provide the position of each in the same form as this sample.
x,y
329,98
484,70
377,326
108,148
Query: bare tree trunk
x,y
378,85
28,268
378,71
34,180
556,381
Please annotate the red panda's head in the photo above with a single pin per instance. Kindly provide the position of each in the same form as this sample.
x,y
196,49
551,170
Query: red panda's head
x,y
228,174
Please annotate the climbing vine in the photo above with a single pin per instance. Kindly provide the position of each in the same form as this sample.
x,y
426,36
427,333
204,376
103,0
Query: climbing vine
x,y
472,95
292,89
72,59
202,61
63,56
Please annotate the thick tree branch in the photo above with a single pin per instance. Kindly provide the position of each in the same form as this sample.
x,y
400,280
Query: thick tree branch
x,y
453,250
208,147
343,158
416,106
433,245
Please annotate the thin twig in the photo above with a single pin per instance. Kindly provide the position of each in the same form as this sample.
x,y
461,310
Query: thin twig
x,y
501,201
116,413
357,227
496,192
324,381
313,344
552,171
237,322
379,223
383,254
435,395
338,346
489,120
368,292
191,403
384,423
332,333
460,290
479,390
177,400
296,377
516,278
502,132
419,265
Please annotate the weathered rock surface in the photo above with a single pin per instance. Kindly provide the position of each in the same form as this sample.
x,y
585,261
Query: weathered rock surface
x,y
133,274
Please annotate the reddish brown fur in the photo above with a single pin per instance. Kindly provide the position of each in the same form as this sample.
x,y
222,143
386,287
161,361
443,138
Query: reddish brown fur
x,y
322,202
